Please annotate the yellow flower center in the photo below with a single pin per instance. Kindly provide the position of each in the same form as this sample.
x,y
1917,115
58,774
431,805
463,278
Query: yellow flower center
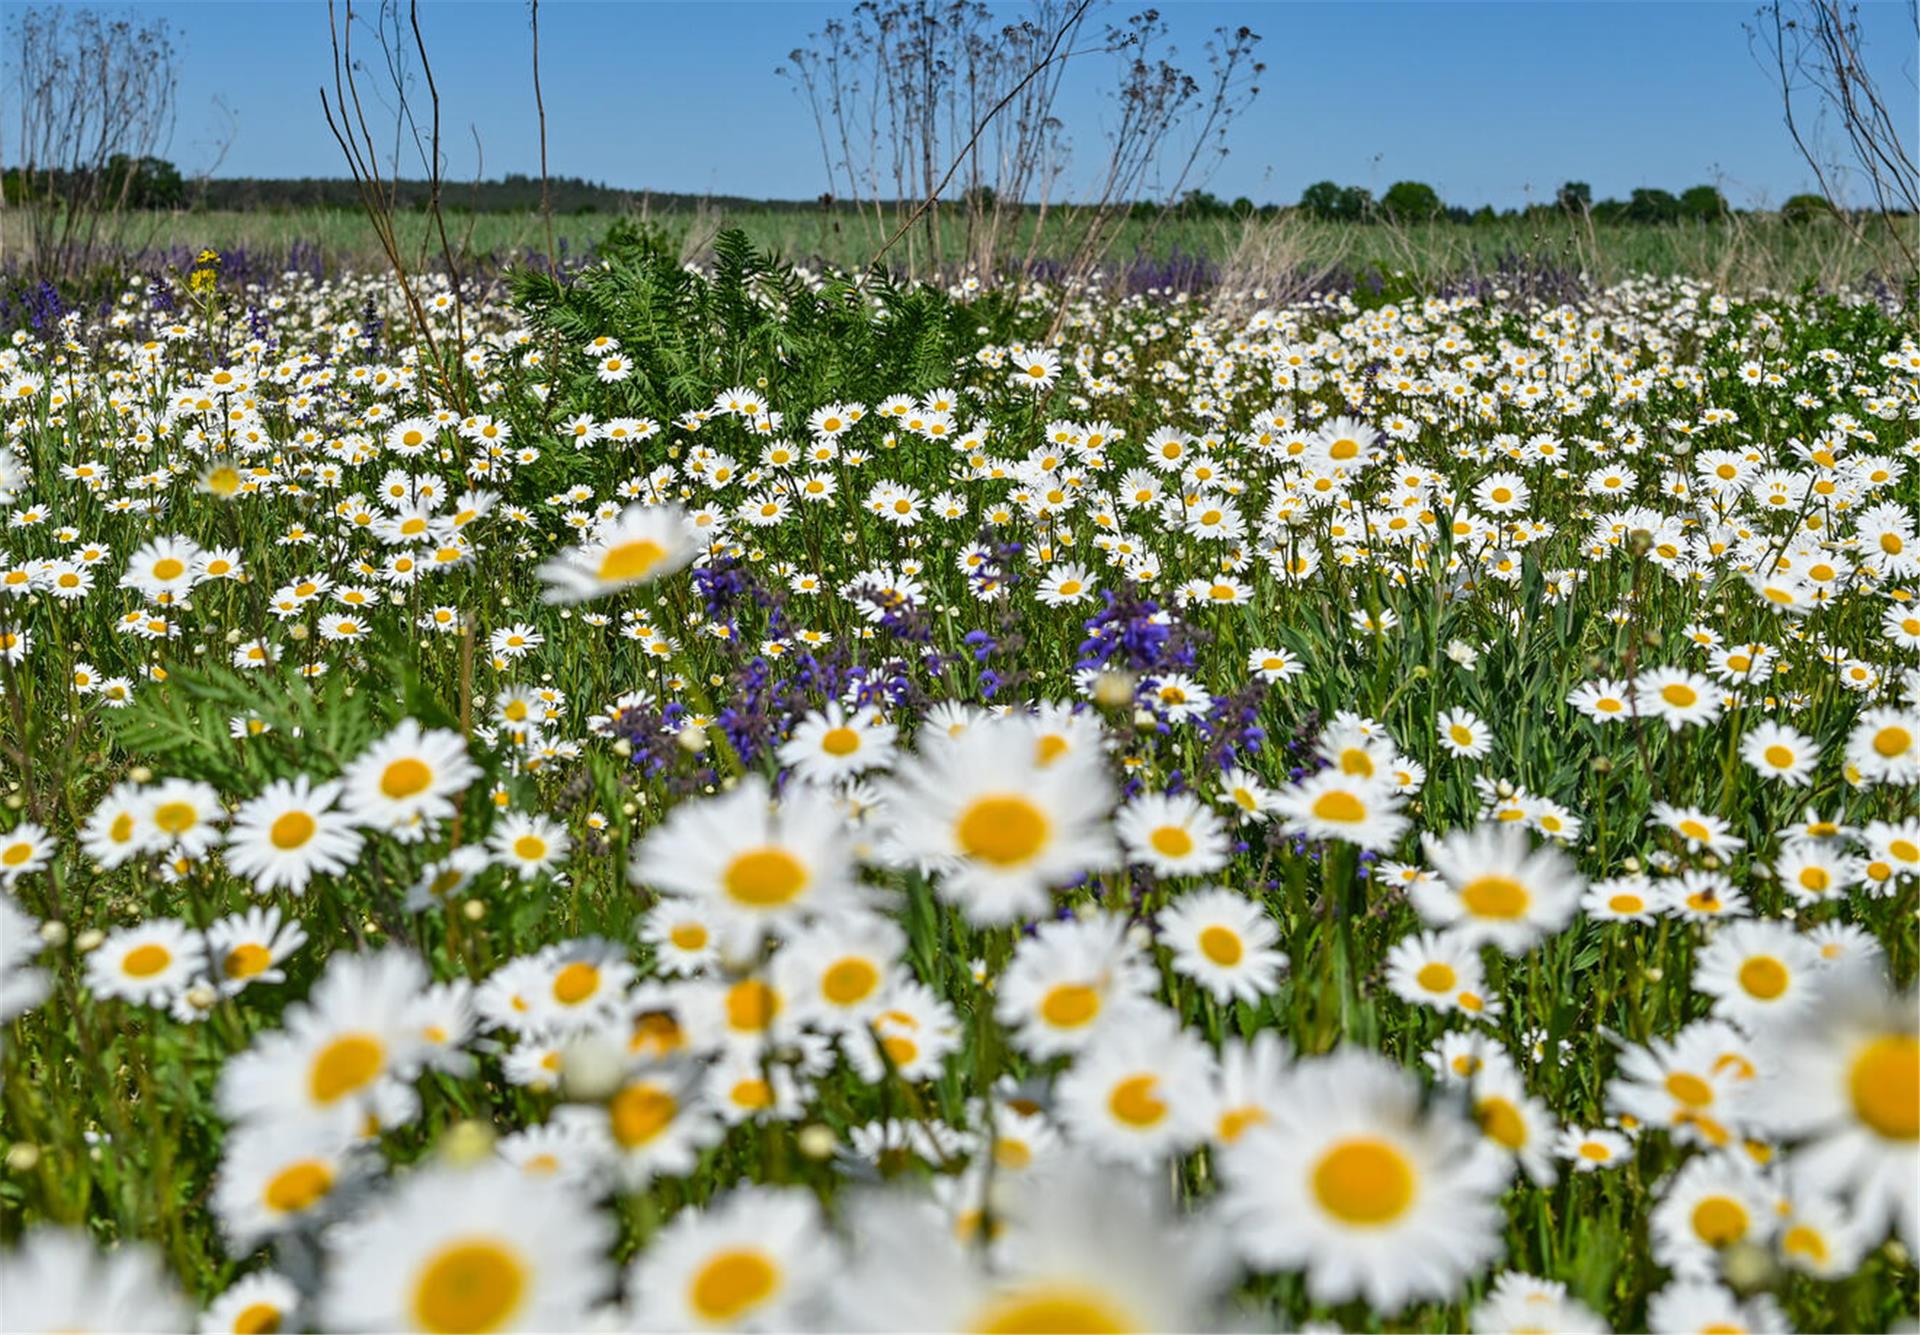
x,y
751,1006
246,960
848,981
1172,842
405,777
1719,1220
297,1186
1495,897
145,961
1364,1181
474,1284
575,983
1764,977
349,1063
1006,830
1070,1005
291,830
640,1112
1054,1309
1137,1102
1339,807
764,877
731,1284
628,561
1221,945
1884,1082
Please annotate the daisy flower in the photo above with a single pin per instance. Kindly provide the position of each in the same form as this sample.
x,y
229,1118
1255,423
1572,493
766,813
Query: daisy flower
x,y
1519,1303
1173,834
1000,828
1333,805
1842,1081
1357,1184
1589,1151
1678,696
1223,941
148,964
643,544
1494,889
55,1279
1706,832
469,1248
1757,972
23,850
1464,735
1438,969
1697,1307
262,1301
1776,751
1070,980
281,838
406,782
249,947
832,744
528,845
751,1259
752,864
1138,1092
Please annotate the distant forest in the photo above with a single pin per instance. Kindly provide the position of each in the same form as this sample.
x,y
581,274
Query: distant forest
x,y
154,183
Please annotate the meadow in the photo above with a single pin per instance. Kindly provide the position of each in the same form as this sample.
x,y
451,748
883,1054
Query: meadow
x,y
744,797
1293,253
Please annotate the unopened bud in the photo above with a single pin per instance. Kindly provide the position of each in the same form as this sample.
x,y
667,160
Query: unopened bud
x,y
591,1068
1113,689
467,1142
817,1142
692,739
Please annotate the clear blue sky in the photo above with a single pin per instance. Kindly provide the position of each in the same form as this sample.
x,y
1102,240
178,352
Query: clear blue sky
x,y
1490,102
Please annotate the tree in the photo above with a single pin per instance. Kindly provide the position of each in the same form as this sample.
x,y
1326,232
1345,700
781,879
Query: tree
x,y
92,91
1703,203
1322,200
145,182
1574,197
1805,209
1411,202
1653,206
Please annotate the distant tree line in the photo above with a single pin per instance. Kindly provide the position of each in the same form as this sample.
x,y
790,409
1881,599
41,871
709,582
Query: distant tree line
x,y
154,183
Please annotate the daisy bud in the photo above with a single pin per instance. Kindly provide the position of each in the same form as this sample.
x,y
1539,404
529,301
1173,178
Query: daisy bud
x,y
1143,718
474,910
692,739
53,933
1113,689
591,1068
202,997
467,1142
623,748
23,1158
817,1142
90,939
1746,1266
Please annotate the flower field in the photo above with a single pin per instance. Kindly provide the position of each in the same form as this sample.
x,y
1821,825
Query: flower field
x,y
749,799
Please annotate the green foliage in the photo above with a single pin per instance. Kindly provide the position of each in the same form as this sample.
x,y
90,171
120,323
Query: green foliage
x,y
1411,201
750,320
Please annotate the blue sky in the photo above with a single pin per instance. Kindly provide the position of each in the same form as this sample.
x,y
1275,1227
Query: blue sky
x,y
1490,102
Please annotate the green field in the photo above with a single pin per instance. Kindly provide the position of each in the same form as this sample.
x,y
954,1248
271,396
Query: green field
x,y
1746,251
